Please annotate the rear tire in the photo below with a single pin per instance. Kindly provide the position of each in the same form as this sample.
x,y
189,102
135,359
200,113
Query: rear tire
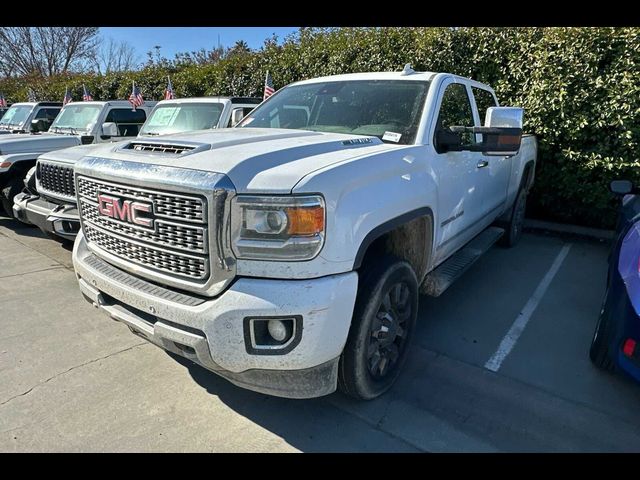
x,y
599,351
13,187
513,229
383,322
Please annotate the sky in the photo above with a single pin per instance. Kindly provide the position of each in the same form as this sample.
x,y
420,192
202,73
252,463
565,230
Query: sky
x,y
187,39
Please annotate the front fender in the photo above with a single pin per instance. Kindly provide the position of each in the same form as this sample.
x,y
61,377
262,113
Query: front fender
x,y
369,196
8,161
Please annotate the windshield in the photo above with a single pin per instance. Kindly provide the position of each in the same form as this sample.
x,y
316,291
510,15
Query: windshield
x,y
387,109
76,117
184,117
16,116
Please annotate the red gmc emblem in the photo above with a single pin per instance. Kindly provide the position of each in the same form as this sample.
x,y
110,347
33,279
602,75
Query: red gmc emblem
x,y
125,210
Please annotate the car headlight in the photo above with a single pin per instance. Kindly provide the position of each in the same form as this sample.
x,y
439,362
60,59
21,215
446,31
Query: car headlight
x,y
277,228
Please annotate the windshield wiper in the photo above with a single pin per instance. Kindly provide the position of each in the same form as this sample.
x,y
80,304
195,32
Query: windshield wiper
x,y
151,133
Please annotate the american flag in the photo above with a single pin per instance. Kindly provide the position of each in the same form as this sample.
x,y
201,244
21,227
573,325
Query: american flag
x,y
168,93
67,97
86,96
3,101
135,99
268,87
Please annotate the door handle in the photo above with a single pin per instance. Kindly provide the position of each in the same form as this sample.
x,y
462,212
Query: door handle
x,y
483,163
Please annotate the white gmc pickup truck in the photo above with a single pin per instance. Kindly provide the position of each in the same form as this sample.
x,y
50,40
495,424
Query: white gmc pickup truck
x,y
52,207
287,254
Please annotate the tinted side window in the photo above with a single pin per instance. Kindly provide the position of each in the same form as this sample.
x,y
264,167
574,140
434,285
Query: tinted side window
x,y
245,111
484,100
455,110
47,113
127,120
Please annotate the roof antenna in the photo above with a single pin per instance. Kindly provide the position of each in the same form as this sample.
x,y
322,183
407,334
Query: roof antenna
x,y
407,70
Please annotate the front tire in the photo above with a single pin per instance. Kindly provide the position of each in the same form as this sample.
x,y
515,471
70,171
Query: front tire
x,y
384,319
13,187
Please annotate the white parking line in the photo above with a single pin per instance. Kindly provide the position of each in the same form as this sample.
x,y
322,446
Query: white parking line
x,y
510,339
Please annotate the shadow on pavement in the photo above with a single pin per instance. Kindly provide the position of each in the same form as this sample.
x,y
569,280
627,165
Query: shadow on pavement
x,y
27,230
21,228
313,425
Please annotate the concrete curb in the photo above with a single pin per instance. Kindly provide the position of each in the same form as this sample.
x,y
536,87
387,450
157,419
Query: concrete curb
x,y
596,233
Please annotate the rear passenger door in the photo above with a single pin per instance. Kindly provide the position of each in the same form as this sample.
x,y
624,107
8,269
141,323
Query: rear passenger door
x,y
493,176
127,120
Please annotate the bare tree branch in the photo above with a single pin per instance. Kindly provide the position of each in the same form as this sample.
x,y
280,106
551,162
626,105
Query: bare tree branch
x,y
47,51
115,56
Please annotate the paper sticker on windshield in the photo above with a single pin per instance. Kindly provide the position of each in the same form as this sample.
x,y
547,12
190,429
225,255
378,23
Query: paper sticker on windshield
x,y
392,136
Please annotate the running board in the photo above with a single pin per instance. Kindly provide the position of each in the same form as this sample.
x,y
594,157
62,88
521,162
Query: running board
x,y
436,282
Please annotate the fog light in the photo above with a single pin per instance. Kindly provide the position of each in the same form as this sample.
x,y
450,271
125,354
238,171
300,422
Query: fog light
x,y
272,335
277,330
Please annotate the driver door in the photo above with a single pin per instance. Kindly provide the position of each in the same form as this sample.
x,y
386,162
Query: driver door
x,y
459,203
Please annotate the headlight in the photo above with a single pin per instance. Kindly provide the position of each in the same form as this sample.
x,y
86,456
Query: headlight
x,y
277,228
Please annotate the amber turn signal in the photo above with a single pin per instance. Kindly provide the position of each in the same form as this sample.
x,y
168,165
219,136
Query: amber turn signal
x,y
305,220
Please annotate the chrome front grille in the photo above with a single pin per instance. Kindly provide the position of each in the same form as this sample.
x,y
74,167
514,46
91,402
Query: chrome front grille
x,y
167,261
189,238
169,205
176,244
56,179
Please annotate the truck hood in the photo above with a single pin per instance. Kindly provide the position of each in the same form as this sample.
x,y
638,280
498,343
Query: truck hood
x,y
257,160
44,142
69,155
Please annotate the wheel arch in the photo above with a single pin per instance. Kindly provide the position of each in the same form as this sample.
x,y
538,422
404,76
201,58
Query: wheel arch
x,y
408,236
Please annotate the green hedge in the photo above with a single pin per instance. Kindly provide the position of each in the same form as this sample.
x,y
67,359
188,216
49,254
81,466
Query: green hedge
x,y
580,88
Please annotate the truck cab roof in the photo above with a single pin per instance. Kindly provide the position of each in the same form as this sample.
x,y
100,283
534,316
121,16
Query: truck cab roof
x,y
214,99
412,76
114,103
36,104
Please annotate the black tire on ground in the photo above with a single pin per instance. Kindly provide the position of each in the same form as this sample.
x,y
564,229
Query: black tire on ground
x,y
599,351
13,187
513,228
381,329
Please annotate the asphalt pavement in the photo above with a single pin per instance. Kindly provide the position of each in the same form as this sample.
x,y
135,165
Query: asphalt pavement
x,y
499,363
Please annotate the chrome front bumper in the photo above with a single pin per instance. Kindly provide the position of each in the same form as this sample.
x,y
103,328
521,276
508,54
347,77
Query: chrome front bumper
x,y
60,220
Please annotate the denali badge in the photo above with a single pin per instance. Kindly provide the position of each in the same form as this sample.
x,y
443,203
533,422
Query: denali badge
x,y
125,210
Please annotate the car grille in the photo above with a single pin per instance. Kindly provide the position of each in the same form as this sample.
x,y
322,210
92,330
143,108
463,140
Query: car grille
x,y
176,245
181,207
188,238
56,179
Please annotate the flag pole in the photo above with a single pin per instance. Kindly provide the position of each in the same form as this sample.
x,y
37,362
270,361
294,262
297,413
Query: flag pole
x,y
133,91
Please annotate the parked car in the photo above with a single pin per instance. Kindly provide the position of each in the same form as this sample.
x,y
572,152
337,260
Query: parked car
x,y
27,117
286,254
53,207
617,334
78,123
